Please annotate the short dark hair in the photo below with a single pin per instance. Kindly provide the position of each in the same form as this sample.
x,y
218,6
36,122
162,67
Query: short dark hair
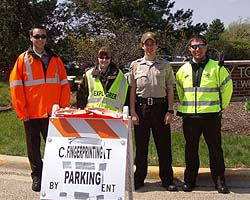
x,y
197,37
38,27
104,51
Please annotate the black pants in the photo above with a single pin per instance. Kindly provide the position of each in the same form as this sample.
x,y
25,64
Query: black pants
x,y
211,129
33,128
152,118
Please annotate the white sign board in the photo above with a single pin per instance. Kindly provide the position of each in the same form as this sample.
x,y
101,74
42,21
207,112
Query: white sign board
x,y
84,168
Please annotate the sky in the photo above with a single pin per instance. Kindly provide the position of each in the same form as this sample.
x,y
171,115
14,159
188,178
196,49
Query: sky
x,y
228,11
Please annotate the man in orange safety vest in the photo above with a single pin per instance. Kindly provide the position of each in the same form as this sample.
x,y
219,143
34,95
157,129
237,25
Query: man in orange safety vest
x,y
37,81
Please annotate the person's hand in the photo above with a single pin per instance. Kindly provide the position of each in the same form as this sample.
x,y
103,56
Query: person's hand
x,y
134,118
25,119
168,118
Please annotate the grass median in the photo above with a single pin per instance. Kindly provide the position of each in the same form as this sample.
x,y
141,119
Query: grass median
x,y
236,148
12,141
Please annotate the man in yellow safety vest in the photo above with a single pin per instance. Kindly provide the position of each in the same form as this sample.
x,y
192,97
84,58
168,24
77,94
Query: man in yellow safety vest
x,y
204,89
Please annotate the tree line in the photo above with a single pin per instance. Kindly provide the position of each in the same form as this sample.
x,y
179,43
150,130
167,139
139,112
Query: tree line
x,y
77,28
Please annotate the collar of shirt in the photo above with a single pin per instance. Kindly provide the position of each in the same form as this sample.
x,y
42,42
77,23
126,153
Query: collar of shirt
x,y
44,57
39,54
149,62
103,70
99,72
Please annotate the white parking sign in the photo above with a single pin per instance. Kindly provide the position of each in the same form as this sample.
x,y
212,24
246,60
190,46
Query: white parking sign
x,y
91,165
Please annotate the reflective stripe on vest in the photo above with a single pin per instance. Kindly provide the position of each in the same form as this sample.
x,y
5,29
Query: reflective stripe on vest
x,y
192,89
225,82
15,83
31,81
116,104
200,103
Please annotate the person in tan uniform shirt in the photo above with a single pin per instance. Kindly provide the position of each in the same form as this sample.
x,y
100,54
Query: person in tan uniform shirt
x,y
151,107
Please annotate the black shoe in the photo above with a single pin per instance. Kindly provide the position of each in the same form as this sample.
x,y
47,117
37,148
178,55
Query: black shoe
x,y
171,187
222,188
220,185
187,187
138,185
36,184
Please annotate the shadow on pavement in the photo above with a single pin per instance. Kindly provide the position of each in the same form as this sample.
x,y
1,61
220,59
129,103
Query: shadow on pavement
x,y
236,183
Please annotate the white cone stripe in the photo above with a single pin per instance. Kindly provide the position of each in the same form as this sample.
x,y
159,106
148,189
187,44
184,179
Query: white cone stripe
x,y
119,127
82,127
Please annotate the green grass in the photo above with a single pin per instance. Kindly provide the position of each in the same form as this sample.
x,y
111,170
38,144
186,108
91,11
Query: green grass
x,y
236,148
236,151
247,104
4,94
12,141
12,137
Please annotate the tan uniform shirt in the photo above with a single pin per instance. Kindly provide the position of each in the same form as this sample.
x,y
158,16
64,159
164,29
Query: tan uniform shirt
x,y
151,79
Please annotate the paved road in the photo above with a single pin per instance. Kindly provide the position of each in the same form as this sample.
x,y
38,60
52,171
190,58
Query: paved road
x,y
15,184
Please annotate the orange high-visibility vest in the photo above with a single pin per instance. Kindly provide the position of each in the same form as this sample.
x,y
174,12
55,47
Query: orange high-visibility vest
x,y
33,94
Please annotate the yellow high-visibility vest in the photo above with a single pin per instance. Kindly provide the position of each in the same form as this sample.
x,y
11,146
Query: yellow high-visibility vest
x,y
113,99
213,93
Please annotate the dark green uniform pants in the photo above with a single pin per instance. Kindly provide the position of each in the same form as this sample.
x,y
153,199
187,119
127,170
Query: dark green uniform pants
x,y
151,118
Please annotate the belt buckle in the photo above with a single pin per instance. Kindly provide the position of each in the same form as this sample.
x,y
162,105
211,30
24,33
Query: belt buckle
x,y
150,101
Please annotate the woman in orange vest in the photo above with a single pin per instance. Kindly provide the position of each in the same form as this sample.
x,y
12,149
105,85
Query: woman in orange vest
x,y
37,81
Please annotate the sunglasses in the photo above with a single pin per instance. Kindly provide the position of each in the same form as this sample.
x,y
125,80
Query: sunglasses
x,y
200,46
104,57
39,36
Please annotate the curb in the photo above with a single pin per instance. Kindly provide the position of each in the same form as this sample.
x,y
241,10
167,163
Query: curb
x,y
15,162
5,108
19,162
153,172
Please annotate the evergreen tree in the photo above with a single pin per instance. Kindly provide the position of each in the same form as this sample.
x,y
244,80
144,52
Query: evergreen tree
x,y
17,17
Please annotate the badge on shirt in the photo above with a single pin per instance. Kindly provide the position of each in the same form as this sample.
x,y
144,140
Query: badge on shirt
x,y
207,74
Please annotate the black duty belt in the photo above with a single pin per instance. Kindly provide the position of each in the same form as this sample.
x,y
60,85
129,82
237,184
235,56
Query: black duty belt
x,y
150,100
